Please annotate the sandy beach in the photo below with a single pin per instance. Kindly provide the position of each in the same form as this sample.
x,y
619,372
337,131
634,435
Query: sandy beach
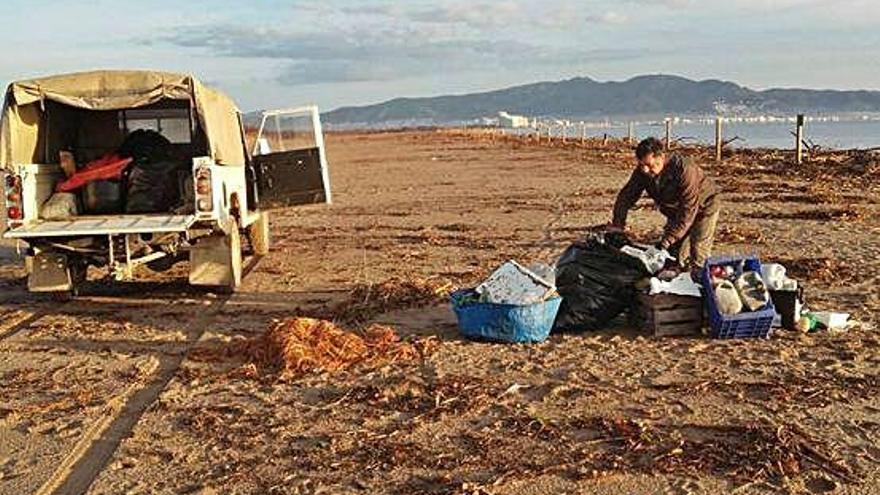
x,y
138,387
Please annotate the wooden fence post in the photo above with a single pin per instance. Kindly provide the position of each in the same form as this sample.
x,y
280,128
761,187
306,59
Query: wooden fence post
x,y
799,135
719,139
668,134
583,133
630,133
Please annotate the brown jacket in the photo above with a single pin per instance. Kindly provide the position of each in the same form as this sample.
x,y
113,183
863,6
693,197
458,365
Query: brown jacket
x,y
680,192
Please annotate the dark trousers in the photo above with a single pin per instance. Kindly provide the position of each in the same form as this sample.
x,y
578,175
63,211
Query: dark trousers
x,y
695,247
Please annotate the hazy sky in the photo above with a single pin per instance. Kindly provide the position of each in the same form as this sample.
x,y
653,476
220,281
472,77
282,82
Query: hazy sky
x,y
271,53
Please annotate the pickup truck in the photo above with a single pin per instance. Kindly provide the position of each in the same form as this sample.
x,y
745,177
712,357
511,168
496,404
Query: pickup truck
x,y
227,177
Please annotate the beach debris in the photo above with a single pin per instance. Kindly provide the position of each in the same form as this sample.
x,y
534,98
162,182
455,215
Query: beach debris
x,y
654,259
366,301
516,387
752,290
737,234
297,346
774,275
682,285
848,213
728,299
826,319
515,284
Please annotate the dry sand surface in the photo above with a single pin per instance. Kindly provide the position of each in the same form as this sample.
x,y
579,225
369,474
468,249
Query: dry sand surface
x,y
150,387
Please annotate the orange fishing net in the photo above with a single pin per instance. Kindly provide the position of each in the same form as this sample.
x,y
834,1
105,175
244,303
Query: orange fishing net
x,y
305,345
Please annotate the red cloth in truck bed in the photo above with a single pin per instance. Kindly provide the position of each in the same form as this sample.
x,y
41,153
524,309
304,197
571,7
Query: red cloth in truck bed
x,y
104,168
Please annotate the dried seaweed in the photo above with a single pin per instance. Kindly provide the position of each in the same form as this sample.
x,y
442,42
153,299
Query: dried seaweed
x,y
736,234
70,402
446,395
366,301
522,447
839,214
829,170
742,453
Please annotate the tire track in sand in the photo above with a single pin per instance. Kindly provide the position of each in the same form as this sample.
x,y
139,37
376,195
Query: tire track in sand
x,y
13,326
93,451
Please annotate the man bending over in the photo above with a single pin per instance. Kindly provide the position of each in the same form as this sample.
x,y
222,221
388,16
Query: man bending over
x,y
683,193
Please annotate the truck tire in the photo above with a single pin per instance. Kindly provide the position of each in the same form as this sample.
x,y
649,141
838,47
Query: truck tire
x,y
258,234
62,296
165,264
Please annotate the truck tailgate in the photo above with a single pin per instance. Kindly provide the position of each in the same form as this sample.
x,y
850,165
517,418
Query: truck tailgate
x,y
102,225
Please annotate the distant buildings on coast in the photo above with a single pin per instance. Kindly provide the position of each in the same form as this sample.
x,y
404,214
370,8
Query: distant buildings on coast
x,y
510,121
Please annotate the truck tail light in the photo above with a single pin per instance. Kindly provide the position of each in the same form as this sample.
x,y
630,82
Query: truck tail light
x,y
203,186
13,182
14,209
204,192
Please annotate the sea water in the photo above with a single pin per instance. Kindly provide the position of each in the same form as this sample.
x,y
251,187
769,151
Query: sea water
x,y
855,134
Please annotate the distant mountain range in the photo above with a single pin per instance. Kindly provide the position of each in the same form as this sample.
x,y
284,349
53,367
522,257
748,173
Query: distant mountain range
x,y
585,98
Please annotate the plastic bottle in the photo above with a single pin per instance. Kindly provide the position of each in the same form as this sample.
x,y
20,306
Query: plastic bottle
x,y
808,323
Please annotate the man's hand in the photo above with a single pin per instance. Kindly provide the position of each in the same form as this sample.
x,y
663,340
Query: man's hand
x,y
661,246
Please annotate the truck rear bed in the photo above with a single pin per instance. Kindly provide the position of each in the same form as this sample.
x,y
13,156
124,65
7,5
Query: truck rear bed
x,y
102,225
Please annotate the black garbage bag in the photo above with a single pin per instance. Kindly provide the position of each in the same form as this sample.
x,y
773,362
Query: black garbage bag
x,y
153,187
596,281
145,146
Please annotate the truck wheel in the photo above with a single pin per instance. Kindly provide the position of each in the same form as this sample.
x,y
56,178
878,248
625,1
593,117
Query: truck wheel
x,y
164,264
78,273
258,234
62,296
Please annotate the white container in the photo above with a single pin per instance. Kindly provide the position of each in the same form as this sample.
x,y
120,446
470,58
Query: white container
x,y
832,321
773,275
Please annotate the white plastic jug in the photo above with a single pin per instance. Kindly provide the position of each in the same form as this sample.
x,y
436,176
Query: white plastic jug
x,y
752,291
773,275
729,302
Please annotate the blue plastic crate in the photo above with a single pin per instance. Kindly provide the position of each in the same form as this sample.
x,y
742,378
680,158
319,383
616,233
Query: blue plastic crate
x,y
755,324
504,322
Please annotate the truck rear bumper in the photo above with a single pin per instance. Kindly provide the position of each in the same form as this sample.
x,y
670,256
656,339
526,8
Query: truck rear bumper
x,y
102,225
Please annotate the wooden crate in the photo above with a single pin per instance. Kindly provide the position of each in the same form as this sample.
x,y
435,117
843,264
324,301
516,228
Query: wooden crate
x,y
665,315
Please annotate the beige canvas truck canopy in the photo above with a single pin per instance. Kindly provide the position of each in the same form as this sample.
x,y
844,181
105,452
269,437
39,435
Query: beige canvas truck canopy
x,y
24,137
